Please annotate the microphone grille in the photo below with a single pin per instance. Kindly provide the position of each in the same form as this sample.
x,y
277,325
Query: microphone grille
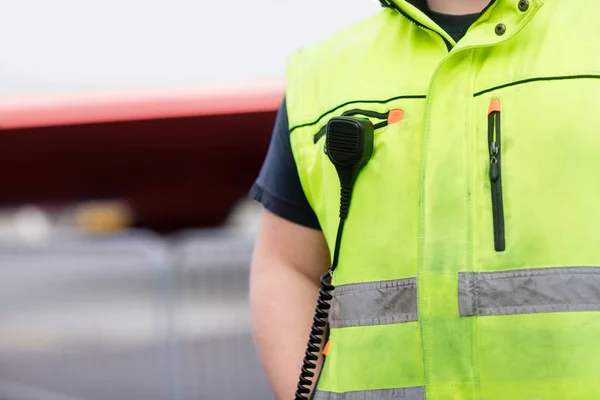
x,y
343,141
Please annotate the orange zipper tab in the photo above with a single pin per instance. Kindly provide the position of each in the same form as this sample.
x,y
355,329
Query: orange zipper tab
x,y
394,116
494,106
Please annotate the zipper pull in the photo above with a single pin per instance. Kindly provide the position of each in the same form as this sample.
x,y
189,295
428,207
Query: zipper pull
x,y
494,166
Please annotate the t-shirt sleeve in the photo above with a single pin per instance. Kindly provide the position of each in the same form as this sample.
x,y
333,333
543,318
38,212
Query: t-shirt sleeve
x,y
278,186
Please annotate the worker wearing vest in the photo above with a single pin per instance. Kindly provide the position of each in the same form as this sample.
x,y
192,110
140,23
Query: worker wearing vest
x,y
470,263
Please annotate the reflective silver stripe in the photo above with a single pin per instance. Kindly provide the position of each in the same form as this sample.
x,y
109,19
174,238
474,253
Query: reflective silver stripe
x,y
410,393
374,303
527,291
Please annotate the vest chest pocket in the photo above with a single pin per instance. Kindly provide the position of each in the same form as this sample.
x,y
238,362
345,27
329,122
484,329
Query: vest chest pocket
x,y
380,120
539,160
388,183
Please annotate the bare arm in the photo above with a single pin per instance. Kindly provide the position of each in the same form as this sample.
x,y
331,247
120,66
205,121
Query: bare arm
x,y
284,284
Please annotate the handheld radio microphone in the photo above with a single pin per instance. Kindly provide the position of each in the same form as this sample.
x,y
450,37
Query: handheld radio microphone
x,y
349,146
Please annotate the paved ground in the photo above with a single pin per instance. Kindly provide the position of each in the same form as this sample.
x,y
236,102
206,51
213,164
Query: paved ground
x,y
215,369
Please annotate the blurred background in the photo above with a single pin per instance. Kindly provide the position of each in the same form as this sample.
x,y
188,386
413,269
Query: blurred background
x,y
130,134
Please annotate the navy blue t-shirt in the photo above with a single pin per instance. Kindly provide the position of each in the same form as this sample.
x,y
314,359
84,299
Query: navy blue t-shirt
x,y
278,186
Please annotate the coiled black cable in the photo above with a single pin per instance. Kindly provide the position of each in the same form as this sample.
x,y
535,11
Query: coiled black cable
x,y
349,144
316,339
318,330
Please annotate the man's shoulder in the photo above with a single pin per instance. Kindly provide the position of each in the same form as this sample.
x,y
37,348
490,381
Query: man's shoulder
x,y
325,74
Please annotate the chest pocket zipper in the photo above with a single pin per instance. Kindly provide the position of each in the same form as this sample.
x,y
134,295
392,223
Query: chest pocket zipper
x,y
495,150
386,119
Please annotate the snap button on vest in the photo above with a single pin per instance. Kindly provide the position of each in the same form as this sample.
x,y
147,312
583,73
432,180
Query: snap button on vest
x,y
500,29
523,5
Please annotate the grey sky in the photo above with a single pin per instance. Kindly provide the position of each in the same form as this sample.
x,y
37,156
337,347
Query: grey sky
x,y
61,46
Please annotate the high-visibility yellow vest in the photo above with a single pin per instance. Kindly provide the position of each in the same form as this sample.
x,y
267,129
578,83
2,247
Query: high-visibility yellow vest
x,y
470,264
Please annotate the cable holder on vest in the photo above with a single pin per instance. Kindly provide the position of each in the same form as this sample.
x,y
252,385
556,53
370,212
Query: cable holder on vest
x,y
349,145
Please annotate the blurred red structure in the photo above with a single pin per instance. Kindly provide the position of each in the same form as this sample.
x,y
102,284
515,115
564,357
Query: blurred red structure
x,y
179,159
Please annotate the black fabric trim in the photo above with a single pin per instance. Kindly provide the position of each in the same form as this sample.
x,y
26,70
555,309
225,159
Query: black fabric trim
x,y
420,4
356,102
423,9
283,208
540,79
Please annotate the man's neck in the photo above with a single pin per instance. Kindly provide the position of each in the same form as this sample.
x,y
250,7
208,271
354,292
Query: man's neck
x,y
457,7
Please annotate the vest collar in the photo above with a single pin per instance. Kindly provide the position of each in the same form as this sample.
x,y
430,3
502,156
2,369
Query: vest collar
x,y
420,4
498,12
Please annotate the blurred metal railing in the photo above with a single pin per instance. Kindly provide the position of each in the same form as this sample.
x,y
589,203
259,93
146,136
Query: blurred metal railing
x,y
128,317
86,318
213,317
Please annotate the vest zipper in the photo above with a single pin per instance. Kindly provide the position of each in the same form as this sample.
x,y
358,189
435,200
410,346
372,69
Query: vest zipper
x,y
494,146
353,113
